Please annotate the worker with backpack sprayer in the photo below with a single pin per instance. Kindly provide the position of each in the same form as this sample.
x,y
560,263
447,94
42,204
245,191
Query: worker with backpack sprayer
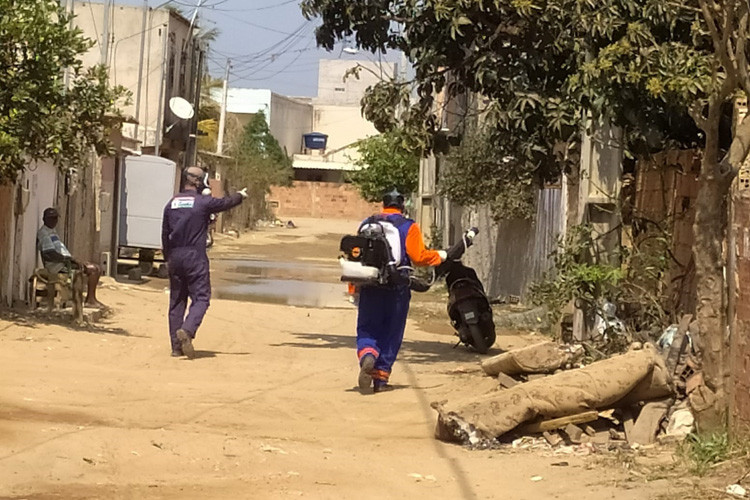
x,y
379,261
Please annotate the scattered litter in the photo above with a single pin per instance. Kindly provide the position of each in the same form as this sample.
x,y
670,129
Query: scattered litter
x,y
135,453
681,423
89,461
559,464
736,490
667,337
607,322
536,478
272,449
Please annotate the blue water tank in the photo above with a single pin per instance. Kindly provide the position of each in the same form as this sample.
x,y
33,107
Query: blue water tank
x,y
315,140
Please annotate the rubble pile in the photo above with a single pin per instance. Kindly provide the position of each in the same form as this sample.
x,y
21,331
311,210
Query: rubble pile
x,y
546,395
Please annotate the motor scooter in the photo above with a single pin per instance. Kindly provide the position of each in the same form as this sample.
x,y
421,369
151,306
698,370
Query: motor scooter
x,y
469,308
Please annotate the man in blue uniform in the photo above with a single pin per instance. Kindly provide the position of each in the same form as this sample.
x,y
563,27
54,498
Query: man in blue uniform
x,y
381,318
183,237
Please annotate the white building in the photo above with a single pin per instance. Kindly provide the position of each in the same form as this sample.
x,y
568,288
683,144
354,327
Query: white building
x,y
288,118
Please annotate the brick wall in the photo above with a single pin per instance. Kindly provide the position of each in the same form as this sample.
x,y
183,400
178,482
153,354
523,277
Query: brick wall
x,y
6,228
666,190
740,345
319,199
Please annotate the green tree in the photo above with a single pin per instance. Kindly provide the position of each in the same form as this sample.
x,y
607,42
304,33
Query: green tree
x,y
477,172
41,117
259,163
385,163
664,71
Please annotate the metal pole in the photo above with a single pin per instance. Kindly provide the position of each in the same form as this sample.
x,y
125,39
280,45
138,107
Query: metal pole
x,y
140,72
223,115
69,7
162,85
105,34
191,158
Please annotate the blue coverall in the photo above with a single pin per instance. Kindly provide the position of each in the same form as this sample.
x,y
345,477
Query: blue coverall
x,y
183,236
383,310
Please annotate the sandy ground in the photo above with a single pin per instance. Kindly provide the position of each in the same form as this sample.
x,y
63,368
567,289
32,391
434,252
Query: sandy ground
x,y
267,410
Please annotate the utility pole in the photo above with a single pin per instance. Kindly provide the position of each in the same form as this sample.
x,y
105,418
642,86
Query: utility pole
x,y
105,34
223,115
69,8
160,116
140,72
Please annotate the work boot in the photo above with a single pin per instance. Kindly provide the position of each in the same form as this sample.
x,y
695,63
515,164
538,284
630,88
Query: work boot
x,y
381,386
177,353
186,343
367,365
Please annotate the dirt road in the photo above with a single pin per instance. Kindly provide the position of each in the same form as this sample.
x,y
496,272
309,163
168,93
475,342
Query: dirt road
x,y
267,410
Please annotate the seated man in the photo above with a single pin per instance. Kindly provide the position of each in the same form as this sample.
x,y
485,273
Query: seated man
x,y
57,259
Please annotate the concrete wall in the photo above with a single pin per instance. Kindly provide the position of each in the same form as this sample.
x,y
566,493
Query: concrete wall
x,y
78,204
123,57
319,199
332,89
290,119
344,125
37,191
510,255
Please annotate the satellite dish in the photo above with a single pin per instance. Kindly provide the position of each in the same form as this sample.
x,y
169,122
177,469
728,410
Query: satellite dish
x,y
181,108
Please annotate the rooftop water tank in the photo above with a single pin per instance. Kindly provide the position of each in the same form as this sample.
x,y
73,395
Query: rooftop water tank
x,y
315,140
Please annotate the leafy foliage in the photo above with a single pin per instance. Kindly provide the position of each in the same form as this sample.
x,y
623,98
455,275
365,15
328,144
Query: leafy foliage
x,y
39,117
259,162
701,452
478,173
579,275
540,67
385,163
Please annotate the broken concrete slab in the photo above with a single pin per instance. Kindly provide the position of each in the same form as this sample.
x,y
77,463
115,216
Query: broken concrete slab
x,y
628,423
647,424
574,433
553,438
506,381
616,382
545,357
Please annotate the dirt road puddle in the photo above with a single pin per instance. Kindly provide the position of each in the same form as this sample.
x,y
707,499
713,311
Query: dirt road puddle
x,y
290,283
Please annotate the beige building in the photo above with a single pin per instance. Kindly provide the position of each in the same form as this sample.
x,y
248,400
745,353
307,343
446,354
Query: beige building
x,y
169,68
338,114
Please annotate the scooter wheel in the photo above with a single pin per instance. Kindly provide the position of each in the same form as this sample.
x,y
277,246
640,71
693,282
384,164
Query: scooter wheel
x,y
481,343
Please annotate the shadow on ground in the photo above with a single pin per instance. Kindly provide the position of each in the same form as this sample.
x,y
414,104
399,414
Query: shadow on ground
x,y
38,318
413,351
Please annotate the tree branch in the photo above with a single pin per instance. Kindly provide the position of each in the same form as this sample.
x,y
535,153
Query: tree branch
x,y
741,50
711,23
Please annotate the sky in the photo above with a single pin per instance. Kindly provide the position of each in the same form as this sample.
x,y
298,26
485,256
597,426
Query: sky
x,y
271,45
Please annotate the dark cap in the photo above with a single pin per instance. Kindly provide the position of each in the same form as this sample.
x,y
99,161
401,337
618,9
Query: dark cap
x,y
50,212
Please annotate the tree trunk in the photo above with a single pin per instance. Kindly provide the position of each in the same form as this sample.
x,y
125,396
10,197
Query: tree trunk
x,y
710,402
